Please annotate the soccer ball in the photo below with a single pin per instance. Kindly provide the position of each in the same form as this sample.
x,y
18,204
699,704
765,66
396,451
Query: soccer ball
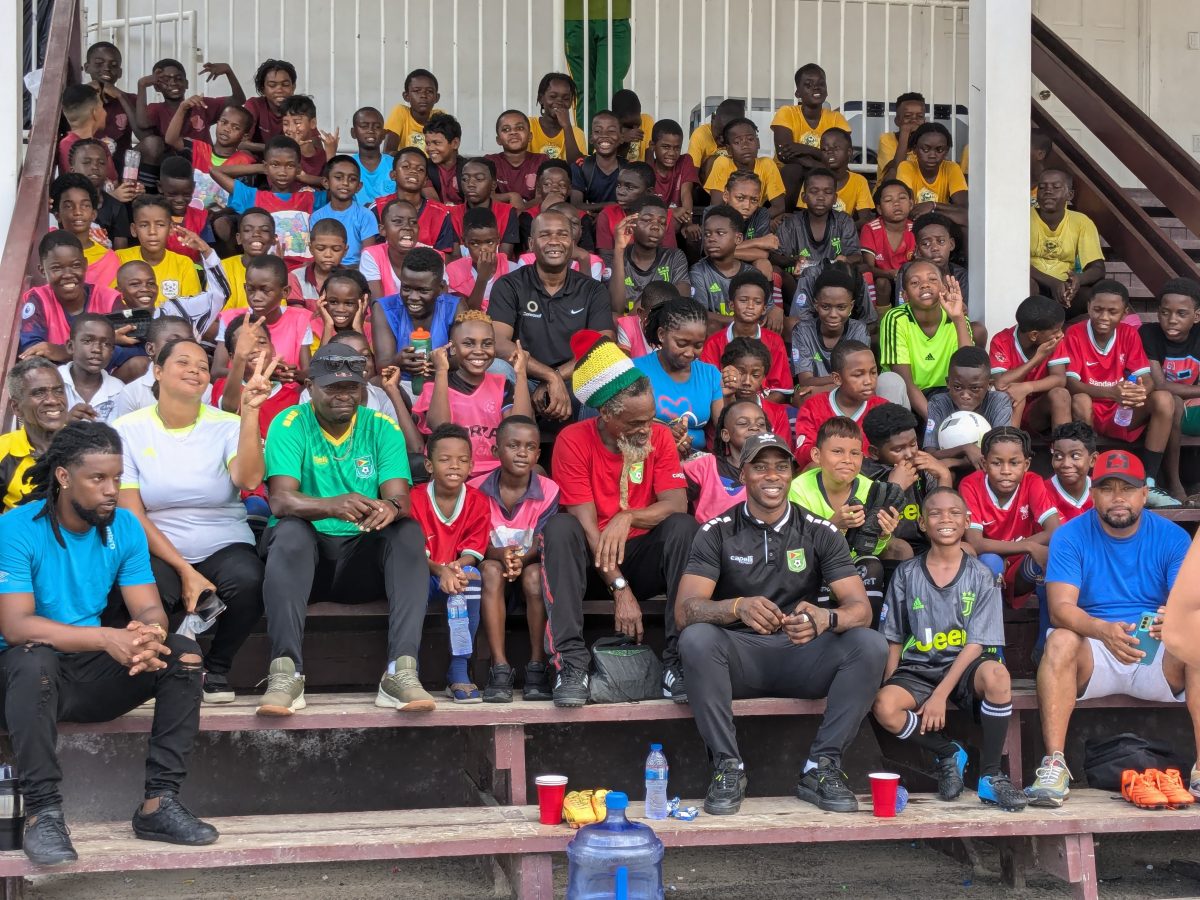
x,y
961,428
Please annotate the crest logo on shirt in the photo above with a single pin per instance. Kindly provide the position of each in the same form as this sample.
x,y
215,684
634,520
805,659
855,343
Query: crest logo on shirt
x,y
28,310
1025,511
170,288
637,472
811,140
197,122
968,603
664,272
364,466
917,604
926,196
796,560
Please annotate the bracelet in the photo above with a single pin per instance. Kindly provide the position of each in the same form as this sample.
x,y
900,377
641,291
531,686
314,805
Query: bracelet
x,y
736,601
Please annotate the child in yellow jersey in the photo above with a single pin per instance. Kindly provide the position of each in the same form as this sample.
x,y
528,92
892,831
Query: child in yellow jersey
x,y
897,146
706,143
797,129
405,125
937,183
175,273
741,138
853,193
552,132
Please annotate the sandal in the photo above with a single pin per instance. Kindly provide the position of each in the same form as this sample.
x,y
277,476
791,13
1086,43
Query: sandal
x,y
461,692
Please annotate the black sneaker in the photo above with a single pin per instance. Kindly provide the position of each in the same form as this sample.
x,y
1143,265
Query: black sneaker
x,y
825,786
537,682
47,838
571,686
500,685
673,685
217,689
727,789
950,773
173,823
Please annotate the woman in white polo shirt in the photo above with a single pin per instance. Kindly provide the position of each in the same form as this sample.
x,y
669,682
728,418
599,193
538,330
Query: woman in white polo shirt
x,y
185,464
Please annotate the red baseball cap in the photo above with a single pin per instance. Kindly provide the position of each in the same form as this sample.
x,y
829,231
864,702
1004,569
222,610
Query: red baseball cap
x,y
1119,464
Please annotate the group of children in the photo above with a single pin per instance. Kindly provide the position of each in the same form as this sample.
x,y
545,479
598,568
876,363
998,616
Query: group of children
x,y
758,292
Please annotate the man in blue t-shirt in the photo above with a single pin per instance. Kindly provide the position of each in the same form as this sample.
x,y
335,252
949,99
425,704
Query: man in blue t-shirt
x,y
60,556
1108,570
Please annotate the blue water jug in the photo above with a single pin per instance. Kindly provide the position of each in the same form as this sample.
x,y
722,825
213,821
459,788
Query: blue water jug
x,y
615,858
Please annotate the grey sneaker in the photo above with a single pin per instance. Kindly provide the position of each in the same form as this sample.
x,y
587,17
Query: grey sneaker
x,y
1157,498
402,690
1053,783
285,689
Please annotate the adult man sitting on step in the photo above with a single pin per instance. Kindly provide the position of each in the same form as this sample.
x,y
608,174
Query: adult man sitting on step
x,y
60,555
1108,569
338,479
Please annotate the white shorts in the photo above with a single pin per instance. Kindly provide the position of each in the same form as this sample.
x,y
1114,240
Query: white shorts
x,y
1112,677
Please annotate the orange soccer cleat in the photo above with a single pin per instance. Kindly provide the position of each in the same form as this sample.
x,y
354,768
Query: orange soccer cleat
x,y
1141,789
1170,782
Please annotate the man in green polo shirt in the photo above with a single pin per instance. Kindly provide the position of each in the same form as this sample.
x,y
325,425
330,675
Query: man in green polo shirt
x,y
338,478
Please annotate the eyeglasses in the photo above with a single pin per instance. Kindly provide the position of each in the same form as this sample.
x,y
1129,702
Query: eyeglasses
x,y
356,365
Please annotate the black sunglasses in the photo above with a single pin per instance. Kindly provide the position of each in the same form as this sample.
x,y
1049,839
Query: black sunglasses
x,y
354,364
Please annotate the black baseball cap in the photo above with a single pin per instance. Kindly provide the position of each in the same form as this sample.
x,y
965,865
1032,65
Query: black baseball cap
x,y
760,442
337,364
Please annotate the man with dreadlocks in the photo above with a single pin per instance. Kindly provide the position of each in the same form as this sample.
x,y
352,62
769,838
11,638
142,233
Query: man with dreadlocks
x,y
626,515
60,555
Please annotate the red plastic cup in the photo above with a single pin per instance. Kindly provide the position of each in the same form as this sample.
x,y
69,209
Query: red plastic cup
x,y
551,790
883,794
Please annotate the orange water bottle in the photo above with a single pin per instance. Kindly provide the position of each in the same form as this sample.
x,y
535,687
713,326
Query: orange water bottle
x,y
421,342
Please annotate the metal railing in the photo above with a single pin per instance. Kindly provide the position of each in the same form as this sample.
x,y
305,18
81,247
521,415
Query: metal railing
x,y
490,54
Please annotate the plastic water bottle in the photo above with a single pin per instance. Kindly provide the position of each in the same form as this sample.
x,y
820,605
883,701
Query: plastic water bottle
x,y
1124,414
615,858
656,783
460,625
421,342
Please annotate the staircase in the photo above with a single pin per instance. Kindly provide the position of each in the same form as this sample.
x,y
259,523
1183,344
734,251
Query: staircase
x,y
1141,296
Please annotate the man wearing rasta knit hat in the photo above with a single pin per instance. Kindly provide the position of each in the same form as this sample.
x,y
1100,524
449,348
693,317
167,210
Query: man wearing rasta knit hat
x,y
625,518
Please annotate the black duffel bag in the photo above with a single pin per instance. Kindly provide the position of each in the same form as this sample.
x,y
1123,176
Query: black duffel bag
x,y
624,671
1104,759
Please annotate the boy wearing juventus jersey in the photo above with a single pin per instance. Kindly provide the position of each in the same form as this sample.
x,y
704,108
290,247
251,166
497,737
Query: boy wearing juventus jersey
x,y
944,626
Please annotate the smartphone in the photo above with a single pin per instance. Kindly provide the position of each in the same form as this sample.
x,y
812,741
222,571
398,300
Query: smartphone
x,y
138,318
1145,642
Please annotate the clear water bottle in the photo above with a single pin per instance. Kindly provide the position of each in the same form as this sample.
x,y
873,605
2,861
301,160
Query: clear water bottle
x,y
460,625
1124,414
615,858
656,783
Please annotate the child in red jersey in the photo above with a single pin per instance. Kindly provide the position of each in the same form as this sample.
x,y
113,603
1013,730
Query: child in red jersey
x,y
409,172
854,367
232,126
887,241
275,81
1012,515
290,327
455,519
635,180
177,182
478,182
675,175
1072,455
1021,357
516,165
443,134
748,295
1108,376
744,366
249,347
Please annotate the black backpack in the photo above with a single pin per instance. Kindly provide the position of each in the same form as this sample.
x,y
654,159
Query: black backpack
x,y
1104,759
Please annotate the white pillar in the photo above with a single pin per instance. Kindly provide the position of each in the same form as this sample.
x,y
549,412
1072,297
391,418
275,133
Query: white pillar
x,y
998,236
11,115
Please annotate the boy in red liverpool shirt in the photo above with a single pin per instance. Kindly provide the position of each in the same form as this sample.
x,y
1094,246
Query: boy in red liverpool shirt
x,y
744,364
1021,357
748,294
1072,455
634,182
177,182
516,166
455,519
1012,515
1107,372
887,241
675,174
853,365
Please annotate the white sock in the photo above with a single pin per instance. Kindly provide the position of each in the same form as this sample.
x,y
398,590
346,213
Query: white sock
x,y
808,767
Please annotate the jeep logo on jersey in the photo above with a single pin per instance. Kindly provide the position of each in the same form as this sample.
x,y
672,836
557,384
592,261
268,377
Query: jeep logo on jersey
x,y
364,466
796,560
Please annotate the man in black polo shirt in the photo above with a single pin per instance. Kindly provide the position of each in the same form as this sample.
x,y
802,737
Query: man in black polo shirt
x,y
749,627
542,305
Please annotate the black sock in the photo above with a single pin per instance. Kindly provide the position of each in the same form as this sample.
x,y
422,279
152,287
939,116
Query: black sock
x,y
994,719
1152,460
935,742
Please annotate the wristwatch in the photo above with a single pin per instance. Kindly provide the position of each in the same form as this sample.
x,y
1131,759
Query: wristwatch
x,y
832,621
618,584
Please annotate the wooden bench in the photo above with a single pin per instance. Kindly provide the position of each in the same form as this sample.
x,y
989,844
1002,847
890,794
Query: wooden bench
x,y
1060,840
